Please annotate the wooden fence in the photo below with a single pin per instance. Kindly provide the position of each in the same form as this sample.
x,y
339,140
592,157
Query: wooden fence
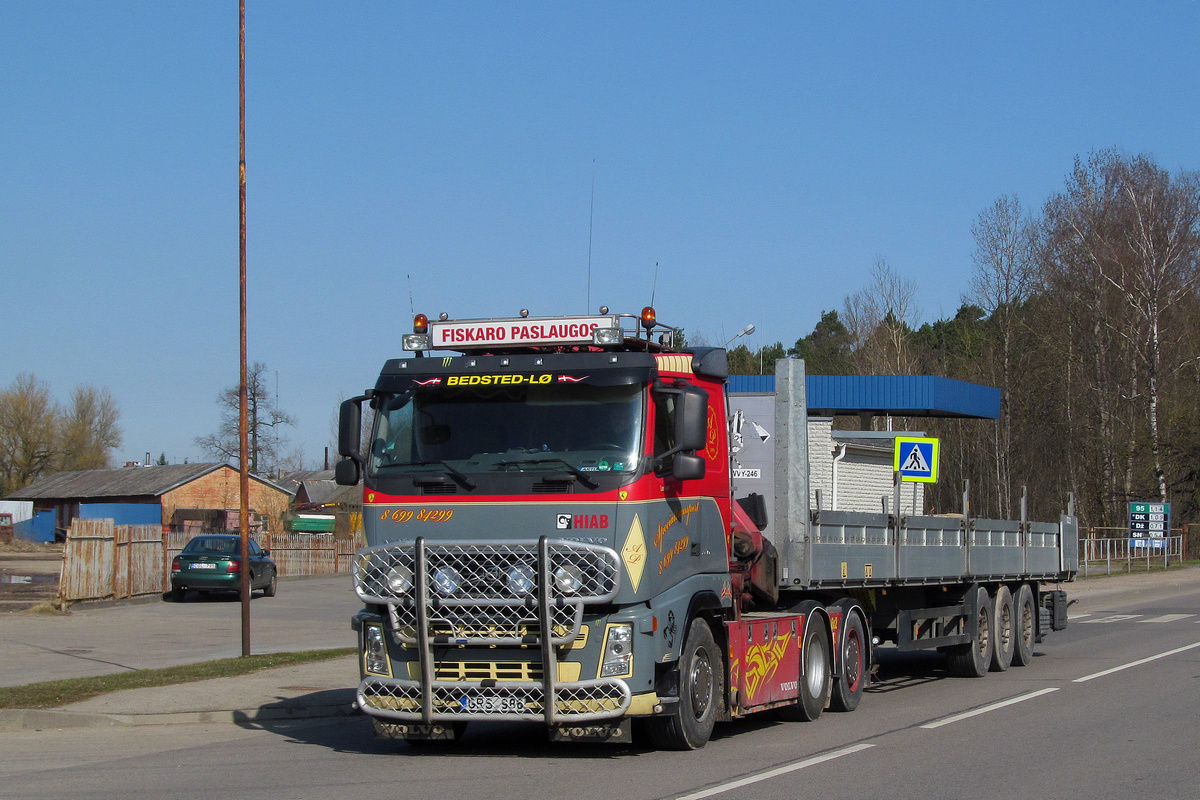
x,y
106,561
103,561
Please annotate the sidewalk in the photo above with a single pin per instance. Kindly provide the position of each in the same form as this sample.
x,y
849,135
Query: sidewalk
x,y
326,688
318,689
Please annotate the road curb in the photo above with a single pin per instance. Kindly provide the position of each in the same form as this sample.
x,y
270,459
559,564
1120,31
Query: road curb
x,y
45,719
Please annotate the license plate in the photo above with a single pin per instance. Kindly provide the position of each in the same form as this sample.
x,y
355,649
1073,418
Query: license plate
x,y
204,566
494,705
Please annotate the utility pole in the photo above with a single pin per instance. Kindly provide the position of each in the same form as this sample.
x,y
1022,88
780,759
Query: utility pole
x,y
243,400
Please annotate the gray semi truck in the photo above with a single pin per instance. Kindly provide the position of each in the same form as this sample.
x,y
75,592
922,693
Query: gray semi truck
x,y
571,523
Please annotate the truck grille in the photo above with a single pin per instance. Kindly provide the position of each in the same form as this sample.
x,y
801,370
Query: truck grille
x,y
471,595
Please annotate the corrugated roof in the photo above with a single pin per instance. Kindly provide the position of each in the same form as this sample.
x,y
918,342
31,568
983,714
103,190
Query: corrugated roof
x,y
898,395
291,480
94,484
329,492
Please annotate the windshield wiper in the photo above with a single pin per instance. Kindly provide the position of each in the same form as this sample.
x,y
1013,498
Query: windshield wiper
x,y
574,470
454,473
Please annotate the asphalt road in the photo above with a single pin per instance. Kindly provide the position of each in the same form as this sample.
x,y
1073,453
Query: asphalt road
x,y
1107,710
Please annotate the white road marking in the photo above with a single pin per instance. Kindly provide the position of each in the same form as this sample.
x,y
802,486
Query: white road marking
x,y
992,707
1077,616
773,773
1111,618
1168,618
1137,663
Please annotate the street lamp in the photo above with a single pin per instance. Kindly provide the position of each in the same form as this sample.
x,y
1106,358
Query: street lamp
x,y
746,331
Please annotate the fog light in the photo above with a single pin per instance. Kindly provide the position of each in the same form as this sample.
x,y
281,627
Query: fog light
x,y
446,581
568,579
399,580
521,579
416,341
608,336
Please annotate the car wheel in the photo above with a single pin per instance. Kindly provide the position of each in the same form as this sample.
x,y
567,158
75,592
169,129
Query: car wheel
x,y
269,589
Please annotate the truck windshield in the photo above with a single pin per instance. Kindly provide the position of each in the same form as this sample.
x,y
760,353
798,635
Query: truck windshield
x,y
578,427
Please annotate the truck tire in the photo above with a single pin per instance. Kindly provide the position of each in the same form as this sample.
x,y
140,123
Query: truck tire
x,y
1024,626
701,692
848,687
1004,630
814,679
971,660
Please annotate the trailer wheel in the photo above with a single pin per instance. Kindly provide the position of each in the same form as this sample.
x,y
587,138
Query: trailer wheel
x,y
701,691
971,660
1025,626
848,687
1004,630
814,680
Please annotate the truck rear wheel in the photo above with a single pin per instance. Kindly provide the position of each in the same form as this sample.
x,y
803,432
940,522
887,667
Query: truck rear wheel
x,y
1025,626
689,725
1004,630
848,687
814,679
971,660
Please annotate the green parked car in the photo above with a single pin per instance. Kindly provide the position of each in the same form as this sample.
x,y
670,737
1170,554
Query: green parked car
x,y
212,563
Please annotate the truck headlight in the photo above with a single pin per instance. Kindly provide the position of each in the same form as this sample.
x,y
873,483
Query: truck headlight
x,y
618,652
521,579
376,649
568,579
446,581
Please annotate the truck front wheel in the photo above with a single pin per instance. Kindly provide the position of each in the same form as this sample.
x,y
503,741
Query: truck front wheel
x,y
701,691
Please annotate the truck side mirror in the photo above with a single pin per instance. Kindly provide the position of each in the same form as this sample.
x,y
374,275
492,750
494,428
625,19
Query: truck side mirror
x,y
346,473
691,420
350,429
687,468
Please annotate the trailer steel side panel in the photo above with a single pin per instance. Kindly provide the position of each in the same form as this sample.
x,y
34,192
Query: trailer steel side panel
x,y
849,548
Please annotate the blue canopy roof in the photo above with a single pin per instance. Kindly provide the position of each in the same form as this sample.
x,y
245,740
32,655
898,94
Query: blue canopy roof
x,y
897,395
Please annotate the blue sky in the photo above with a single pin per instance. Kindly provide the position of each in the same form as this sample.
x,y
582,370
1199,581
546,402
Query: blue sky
x,y
763,154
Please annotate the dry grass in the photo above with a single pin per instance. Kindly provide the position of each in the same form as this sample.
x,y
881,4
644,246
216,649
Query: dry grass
x,y
52,694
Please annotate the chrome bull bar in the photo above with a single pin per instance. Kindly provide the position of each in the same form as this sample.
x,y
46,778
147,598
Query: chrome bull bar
x,y
484,594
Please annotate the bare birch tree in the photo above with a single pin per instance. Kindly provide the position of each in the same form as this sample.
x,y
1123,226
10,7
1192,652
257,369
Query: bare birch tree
x,y
1001,284
880,318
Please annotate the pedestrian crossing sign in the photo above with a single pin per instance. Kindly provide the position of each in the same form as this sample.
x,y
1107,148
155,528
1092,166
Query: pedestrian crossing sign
x,y
916,459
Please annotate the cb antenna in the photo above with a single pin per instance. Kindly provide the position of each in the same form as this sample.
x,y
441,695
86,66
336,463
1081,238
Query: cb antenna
x,y
411,307
591,217
654,286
